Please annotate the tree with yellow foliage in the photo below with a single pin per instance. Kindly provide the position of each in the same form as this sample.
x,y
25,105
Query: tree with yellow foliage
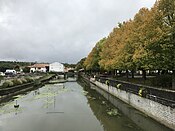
x,y
145,43
91,62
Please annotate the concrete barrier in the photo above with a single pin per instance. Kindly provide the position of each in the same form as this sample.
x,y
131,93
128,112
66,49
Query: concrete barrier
x,y
161,113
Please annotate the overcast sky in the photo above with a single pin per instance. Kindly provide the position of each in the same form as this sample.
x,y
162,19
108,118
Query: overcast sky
x,y
59,30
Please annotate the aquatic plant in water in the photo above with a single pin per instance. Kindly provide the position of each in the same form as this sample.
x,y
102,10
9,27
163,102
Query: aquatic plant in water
x,y
91,98
9,108
113,112
85,93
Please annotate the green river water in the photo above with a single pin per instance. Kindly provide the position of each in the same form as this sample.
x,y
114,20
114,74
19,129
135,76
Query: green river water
x,y
72,106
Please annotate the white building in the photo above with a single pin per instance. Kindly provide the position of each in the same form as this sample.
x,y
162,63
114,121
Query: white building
x,y
56,67
39,68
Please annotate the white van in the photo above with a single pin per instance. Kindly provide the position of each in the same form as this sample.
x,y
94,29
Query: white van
x,y
10,72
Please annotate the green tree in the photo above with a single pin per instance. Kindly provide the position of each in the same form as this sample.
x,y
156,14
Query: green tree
x,y
92,61
167,8
80,64
26,70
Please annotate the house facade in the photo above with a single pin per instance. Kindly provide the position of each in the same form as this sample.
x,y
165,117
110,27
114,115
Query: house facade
x,y
39,68
56,67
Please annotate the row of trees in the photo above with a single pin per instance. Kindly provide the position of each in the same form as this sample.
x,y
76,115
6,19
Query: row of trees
x,y
4,65
146,42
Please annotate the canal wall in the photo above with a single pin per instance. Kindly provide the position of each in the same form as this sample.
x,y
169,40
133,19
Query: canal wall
x,y
136,116
160,112
7,93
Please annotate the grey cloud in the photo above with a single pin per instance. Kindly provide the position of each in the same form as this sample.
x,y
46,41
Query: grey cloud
x,y
59,30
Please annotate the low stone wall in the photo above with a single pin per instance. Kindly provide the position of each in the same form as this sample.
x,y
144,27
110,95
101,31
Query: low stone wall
x,y
162,113
10,91
162,96
6,91
9,96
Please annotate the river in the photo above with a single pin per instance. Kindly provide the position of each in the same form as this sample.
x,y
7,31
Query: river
x,y
72,106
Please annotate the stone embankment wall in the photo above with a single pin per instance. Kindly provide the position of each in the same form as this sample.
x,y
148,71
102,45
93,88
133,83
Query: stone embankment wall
x,y
162,113
7,93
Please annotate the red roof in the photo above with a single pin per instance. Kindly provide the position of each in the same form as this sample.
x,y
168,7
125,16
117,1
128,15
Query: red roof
x,y
39,66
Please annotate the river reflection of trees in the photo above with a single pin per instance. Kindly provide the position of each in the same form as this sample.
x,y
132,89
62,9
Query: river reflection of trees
x,y
129,114
99,105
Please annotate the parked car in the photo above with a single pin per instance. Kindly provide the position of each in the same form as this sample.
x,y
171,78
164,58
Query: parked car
x,y
10,72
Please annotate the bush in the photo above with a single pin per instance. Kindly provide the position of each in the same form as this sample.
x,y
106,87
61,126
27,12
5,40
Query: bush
x,y
162,81
1,77
17,82
7,84
29,79
26,70
37,82
23,80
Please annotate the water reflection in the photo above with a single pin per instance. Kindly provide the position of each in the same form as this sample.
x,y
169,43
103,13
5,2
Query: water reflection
x,y
73,108
50,108
100,107
141,120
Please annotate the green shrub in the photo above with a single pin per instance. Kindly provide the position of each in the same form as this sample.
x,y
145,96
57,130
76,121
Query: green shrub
x,y
26,70
23,80
7,83
29,79
37,82
162,81
1,77
17,82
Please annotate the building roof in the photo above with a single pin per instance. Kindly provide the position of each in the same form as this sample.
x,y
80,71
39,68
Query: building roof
x,y
39,66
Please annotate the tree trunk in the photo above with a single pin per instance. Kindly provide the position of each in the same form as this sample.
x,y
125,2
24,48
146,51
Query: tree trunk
x,y
144,74
127,75
173,80
158,72
120,72
115,72
164,72
132,72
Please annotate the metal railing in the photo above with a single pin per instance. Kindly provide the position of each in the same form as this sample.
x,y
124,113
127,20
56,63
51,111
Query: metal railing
x,y
164,97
